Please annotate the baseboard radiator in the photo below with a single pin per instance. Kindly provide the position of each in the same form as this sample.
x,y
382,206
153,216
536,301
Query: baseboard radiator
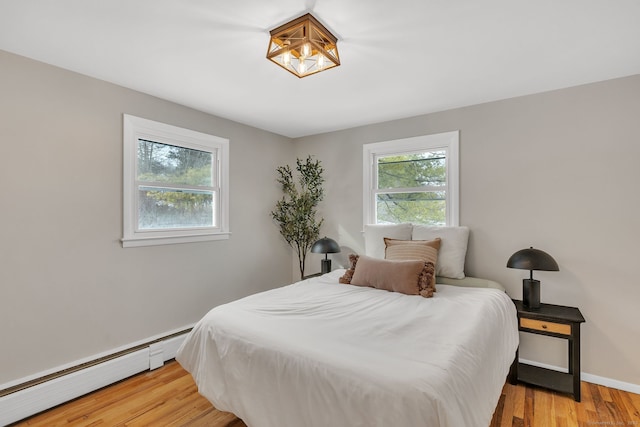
x,y
23,400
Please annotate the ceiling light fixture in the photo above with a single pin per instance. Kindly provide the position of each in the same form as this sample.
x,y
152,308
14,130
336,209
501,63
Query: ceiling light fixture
x,y
303,47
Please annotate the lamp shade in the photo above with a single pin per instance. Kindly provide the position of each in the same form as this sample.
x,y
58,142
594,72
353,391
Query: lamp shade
x,y
532,259
325,246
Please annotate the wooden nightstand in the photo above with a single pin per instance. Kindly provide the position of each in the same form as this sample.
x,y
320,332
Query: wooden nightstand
x,y
555,321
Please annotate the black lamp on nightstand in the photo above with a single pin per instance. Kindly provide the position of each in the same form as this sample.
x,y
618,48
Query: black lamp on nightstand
x,y
532,259
325,246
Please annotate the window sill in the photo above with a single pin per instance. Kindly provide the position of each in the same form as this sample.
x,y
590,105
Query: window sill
x,y
133,242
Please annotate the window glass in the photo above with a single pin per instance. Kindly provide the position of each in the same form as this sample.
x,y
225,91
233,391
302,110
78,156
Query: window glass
x,y
177,165
417,208
166,208
412,170
174,187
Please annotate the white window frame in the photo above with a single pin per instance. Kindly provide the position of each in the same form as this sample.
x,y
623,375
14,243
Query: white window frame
x,y
448,141
135,128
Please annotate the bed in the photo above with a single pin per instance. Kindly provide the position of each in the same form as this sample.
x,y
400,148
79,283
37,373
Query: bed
x,y
321,353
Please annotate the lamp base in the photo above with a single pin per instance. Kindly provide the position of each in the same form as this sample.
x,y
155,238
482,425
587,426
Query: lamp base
x,y
531,293
325,266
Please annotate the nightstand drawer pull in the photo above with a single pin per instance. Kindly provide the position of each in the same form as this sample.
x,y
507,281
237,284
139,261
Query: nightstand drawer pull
x,y
558,328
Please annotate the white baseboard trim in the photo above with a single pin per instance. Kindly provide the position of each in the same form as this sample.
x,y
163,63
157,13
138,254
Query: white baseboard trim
x,y
29,401
590,378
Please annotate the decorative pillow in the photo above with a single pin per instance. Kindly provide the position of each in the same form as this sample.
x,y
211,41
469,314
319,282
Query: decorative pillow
x,y
375,233
424,250
453,248
407,277
346,278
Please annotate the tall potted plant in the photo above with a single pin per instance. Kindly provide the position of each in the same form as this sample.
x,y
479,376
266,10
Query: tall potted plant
x,y
295,213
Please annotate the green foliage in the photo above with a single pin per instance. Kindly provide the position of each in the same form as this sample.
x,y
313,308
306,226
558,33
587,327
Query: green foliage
x,y
295,213
407,173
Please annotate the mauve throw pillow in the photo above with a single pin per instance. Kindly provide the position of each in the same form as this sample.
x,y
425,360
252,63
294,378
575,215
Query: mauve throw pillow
x,y
407,277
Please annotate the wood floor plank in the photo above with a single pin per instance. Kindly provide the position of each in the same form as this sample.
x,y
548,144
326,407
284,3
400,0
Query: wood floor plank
x,y
519,396
544,409
508,406
604,393
590,402
631,403
634,400
564,410
529,408
169,397
601,408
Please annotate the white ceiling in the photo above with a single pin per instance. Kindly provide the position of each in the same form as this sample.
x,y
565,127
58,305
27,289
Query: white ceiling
x,y
400,58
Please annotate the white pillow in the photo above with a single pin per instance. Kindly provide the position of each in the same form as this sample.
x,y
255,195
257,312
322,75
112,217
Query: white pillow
x,y
374,235
453,248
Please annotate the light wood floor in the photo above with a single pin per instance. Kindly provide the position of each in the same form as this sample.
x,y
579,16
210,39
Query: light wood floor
x,y
168,397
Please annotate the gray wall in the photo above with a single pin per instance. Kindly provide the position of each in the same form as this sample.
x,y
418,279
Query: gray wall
x,y
68,290
558,171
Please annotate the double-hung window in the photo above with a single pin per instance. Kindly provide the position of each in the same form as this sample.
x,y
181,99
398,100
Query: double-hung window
x,y
176,184
412,180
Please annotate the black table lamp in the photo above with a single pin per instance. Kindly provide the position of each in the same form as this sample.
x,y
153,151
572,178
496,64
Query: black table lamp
x,y
532,259
325,246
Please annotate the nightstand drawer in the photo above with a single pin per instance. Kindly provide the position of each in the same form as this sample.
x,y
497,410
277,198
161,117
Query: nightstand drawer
x,y
539,325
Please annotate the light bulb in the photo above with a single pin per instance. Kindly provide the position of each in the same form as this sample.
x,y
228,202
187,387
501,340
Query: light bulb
x,y
286,58
302,67
306,50
320,60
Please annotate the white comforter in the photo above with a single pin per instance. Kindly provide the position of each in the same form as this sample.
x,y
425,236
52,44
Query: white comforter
x,y
317,353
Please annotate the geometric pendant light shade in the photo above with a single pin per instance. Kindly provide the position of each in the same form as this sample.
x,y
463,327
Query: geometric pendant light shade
x,y
303,47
